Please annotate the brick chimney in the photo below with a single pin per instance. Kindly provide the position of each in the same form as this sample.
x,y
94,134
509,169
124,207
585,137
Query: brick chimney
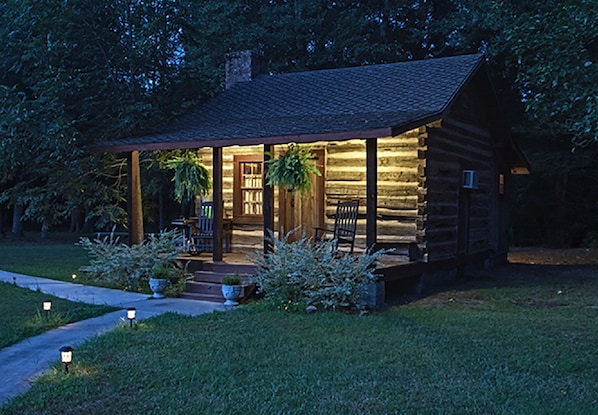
x,y
243,66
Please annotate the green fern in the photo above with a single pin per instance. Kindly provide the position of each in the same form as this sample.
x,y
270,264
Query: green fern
x,y
292,169
191,177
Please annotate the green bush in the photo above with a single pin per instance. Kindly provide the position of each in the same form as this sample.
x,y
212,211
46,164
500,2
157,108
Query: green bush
x,y
130,267
314,273
234,279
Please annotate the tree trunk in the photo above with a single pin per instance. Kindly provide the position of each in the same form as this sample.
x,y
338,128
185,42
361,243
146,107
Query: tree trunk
x,y
1,221
161,209
560,234
44,232
75,220
17,224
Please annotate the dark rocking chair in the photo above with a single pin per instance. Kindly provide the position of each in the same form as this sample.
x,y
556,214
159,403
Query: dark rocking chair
x,y
345,225
203,240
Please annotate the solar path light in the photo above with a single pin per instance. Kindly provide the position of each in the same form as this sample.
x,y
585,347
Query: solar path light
x,y
47,306
131,312
66,357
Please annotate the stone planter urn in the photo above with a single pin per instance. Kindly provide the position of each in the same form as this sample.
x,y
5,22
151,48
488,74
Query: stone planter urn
x,y
232,287
158,285
231,293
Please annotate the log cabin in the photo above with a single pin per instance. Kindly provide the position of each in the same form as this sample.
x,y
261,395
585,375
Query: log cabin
x,y
422,145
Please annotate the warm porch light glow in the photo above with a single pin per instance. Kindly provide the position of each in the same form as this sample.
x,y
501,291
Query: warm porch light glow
x,y
66,356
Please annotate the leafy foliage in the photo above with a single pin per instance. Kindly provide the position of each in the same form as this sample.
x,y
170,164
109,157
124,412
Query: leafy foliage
x,y
191,177
292,169
130,267
234,279
314,273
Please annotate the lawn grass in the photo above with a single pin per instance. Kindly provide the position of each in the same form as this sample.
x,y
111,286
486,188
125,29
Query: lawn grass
x,y
521,341
58,261
21,314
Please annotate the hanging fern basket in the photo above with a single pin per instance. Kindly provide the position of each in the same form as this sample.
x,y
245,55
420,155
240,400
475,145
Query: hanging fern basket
x,y
191,177
292,170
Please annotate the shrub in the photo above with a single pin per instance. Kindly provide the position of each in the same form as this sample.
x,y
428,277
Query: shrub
x,y
130,267
314,273
234,279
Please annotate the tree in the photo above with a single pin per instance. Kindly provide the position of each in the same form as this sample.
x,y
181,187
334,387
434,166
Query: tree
x,y
72,74
555,45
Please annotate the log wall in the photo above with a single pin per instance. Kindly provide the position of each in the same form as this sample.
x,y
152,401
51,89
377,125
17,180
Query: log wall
x,y
457,220
400,199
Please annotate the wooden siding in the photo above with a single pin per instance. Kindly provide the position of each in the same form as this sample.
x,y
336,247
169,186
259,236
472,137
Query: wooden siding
x,y
461,141
399,185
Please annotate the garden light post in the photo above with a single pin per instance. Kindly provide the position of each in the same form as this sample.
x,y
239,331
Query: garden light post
x,y
131,311
47,306
66,357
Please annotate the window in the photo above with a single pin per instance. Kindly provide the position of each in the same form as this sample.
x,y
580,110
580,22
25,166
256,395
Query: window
x,y
248,189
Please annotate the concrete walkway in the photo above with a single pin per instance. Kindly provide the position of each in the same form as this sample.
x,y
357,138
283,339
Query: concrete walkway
x,y
22,363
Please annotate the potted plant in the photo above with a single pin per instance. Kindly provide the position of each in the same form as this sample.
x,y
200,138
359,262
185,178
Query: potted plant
x,y
292,169
231,289
191,178
159,277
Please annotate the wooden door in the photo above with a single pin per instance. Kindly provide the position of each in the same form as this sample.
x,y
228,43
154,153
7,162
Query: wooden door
x,y
306,211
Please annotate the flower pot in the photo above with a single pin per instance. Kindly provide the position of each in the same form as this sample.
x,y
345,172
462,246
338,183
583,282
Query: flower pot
x,y
158,285
231,293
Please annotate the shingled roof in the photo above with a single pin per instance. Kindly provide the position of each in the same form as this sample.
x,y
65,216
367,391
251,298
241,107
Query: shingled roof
x,y
359,102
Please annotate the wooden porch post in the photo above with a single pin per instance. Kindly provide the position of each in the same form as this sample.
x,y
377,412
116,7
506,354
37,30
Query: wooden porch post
x,y
218,202
268,201
371,191
134,206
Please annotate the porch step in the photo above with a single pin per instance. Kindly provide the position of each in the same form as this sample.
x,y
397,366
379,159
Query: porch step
x,y
207,283
202,297
227,268
216,277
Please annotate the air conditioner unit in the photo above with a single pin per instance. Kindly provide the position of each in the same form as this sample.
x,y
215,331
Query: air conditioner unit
x,y
470,179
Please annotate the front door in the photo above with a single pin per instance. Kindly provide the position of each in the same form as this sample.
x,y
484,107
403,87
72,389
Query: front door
x,y
306,211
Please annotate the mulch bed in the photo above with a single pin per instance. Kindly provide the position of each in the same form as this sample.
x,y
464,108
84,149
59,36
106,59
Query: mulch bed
x,y
547,256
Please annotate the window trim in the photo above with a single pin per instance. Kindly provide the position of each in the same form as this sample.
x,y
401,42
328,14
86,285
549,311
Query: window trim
x,y
238,215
